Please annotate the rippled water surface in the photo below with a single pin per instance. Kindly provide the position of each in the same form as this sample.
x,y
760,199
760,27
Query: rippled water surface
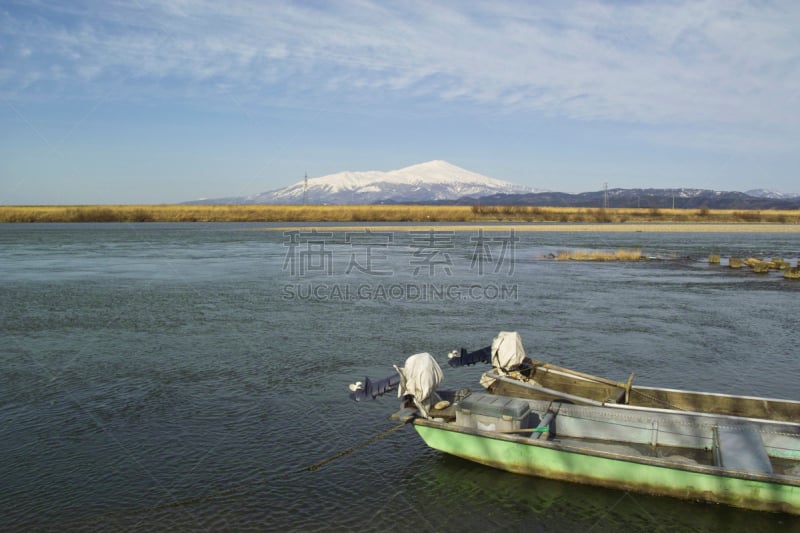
x,y
185,376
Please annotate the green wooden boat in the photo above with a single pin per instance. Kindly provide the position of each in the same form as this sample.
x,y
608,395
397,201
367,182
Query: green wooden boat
x,y
752,464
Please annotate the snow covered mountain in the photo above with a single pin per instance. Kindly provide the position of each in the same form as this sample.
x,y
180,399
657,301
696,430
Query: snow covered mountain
x,y
424,182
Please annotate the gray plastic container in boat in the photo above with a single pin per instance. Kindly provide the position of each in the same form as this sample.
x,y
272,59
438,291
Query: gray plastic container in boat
x,y
489,412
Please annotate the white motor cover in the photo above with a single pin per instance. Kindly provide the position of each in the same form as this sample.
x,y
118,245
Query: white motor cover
x,y
419,377
507,351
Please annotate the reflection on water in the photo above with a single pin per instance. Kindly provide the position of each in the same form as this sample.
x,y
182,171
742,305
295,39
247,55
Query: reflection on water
x,y
145,366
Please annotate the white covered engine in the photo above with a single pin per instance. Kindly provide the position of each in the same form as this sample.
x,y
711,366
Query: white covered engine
x,y
419,377
507,351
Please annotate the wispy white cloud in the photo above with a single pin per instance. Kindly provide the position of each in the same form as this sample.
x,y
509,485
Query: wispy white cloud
x,y
731,63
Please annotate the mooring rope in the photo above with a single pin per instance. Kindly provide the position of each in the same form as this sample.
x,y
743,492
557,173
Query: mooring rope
x,y
239,488
348,451
309,468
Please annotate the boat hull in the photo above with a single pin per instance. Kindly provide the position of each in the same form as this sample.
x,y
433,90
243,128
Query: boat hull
x,y
542,458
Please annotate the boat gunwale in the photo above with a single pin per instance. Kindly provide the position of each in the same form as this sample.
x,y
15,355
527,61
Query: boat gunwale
x,y
720,395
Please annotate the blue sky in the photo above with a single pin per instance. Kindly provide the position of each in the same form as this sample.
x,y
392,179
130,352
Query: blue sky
x,y
167,101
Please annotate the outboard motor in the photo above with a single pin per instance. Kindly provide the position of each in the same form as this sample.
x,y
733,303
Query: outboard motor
x,y
419,378
508,354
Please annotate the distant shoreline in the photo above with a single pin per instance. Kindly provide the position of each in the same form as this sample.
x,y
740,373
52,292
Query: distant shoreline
x,y
521,218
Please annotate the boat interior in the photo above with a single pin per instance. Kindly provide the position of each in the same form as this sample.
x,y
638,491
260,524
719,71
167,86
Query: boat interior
x,y
544,381
755,447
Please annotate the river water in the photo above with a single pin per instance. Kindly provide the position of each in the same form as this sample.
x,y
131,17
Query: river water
x,y
184,377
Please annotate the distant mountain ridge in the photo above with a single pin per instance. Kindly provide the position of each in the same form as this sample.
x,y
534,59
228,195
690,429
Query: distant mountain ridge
x,y
645,198
442,183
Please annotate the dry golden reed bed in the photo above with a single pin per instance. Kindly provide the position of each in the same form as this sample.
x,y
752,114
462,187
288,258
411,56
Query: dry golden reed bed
x,y
600,255
599,219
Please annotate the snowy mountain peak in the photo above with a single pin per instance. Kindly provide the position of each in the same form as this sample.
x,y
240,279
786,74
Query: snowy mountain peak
x,y
433,180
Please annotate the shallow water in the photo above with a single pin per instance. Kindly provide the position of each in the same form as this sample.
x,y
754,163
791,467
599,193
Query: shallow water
x,y
183,376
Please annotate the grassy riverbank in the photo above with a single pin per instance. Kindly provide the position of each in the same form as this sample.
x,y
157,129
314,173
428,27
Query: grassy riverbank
x,y
386,213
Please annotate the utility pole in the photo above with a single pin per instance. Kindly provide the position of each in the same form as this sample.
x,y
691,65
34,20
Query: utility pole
x,y
305,190
605,194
